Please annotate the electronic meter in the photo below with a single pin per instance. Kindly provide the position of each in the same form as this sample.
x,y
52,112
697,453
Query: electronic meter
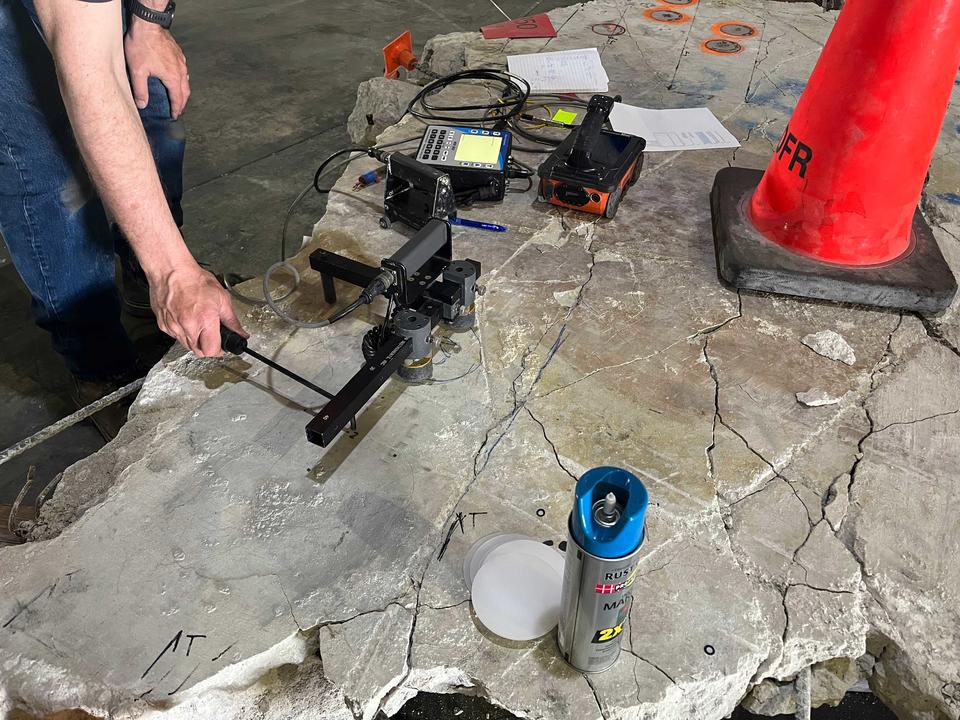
x,y
474,158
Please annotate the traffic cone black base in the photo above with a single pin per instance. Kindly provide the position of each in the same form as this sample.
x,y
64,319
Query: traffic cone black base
x,y
920,280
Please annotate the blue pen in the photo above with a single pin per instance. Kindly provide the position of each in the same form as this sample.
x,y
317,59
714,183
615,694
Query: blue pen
x,y
493,227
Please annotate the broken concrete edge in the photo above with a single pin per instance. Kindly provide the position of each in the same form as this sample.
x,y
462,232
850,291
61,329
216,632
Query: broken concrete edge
x,y
90,481
381,102
63,691
292,651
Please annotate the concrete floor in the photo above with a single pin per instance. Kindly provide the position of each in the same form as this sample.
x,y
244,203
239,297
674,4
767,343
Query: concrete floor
x,y
272,87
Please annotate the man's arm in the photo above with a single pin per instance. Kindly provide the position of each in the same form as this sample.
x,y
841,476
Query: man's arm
x,y
86,40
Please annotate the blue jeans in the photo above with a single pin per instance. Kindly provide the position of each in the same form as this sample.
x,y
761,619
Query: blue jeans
x,y
50,216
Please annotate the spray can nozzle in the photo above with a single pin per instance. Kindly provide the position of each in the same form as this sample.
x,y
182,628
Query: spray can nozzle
x,y
607,511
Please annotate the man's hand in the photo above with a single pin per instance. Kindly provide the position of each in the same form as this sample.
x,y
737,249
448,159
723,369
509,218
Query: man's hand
x,y
151,51
190,305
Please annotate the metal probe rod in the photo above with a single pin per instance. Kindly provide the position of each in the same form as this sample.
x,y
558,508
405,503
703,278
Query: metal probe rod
x,y
236,344
290,374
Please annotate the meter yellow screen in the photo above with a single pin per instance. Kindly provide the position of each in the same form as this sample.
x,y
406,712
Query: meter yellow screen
x,y
478,149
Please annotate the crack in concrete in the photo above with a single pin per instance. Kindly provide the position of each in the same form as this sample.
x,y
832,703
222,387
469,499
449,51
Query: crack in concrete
x,y
344,621
820,589
718,418
709,330
408,661
918,420
550,442
596,696
478,467
786,623
446,607
293,615
723,323
882,364
639,657
683,48
766,47
518,403
828,498
936,334
652,664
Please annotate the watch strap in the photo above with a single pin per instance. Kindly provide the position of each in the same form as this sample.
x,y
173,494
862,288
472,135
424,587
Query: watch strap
x,y
163,19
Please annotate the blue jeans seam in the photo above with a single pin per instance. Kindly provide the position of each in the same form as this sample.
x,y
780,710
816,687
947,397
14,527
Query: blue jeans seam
x,y
41,262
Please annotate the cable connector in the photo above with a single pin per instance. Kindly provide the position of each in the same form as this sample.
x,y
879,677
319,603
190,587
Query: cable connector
x,y
371,177
378,286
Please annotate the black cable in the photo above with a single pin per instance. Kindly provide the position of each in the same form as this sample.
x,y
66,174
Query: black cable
x,y
527,134
340,314
526,189
516,90
517,169
537,150
317,175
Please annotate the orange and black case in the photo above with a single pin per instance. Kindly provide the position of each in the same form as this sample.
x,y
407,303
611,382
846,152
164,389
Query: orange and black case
x,y
592,168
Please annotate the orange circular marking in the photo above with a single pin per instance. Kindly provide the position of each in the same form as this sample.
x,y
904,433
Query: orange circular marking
x,y
734,29
721,46
666,15
686,3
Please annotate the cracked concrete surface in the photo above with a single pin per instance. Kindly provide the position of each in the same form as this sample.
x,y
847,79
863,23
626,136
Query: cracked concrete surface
x,y
175,571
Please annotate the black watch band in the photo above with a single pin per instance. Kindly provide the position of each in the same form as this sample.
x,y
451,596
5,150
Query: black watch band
x,y
163,19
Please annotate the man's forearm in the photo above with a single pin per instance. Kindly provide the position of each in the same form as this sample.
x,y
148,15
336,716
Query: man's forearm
x,y
110,135
88,50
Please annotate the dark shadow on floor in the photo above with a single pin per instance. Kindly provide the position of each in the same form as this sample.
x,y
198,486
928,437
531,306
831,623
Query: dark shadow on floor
x,y
35,391
431,706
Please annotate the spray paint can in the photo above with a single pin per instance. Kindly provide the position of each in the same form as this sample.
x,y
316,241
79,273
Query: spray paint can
x,y
605,532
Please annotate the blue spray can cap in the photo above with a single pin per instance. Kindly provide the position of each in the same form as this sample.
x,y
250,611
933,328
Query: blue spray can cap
x,y
610,506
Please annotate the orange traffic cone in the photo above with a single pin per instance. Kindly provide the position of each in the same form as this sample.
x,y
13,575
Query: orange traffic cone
x,y
835,214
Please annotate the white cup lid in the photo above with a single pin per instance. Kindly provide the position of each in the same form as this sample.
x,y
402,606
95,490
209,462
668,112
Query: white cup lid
x,y
528,546
517,596
478,552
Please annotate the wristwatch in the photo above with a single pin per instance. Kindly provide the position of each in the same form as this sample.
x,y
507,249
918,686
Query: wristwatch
x,y
163,19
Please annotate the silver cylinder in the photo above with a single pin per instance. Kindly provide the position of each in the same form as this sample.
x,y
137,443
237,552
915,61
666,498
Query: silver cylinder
x,y
595,606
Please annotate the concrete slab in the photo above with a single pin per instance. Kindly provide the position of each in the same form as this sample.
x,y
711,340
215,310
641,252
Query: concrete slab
x,y
211,543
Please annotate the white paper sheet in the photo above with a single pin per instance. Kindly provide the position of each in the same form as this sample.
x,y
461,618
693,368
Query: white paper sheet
x,y
566,71
672,130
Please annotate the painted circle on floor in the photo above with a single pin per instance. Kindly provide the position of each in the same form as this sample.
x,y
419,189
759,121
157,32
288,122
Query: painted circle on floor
x,y
664,15
734,29
718,46
680,2
608,29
